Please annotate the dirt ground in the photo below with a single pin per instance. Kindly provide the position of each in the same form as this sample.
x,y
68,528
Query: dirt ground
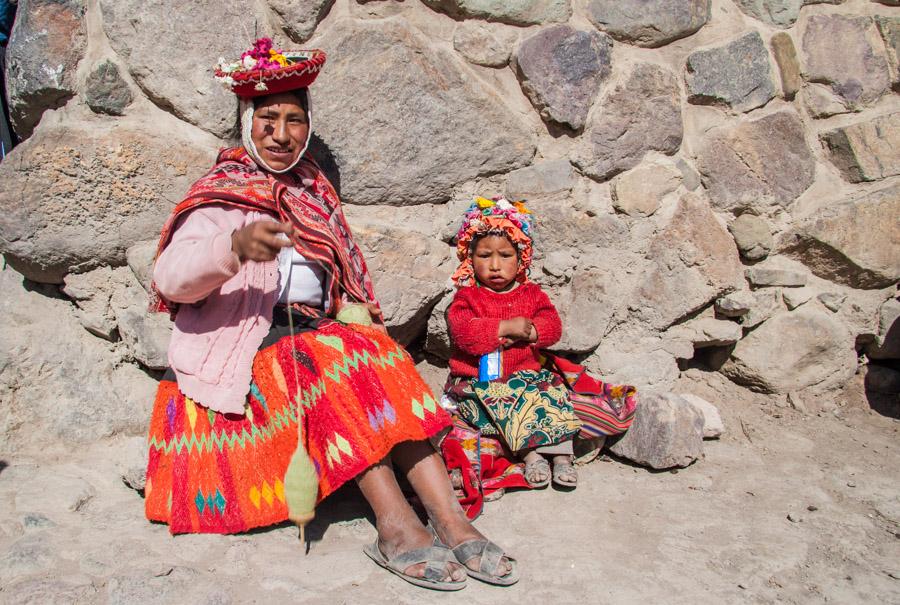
x,y
787,507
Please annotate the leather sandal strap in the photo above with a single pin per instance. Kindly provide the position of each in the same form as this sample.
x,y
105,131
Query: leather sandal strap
x,y
490,559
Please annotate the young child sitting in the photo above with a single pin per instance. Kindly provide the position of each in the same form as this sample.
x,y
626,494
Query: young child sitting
x,y
498,313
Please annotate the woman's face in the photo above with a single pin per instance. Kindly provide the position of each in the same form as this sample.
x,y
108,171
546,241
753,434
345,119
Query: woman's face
x,y
495,262
280,129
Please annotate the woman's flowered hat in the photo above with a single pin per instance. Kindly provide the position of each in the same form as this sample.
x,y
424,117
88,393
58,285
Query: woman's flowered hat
x,y
265,70
495,216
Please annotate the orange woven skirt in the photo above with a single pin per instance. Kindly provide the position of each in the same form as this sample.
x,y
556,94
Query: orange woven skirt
x,y
352,395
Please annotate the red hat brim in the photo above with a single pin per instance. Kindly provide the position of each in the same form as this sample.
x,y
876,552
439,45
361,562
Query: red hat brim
x,y
297,75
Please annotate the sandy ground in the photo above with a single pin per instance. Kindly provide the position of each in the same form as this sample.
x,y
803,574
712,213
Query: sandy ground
x,y
786,507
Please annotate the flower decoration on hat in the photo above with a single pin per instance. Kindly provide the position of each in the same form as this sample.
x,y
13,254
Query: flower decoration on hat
x,y
264,70
494,216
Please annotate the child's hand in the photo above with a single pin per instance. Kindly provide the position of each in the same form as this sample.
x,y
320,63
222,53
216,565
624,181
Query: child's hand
x,y
517,328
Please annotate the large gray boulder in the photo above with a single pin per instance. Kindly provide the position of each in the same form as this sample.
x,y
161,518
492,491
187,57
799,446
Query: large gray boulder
x,y
407,128
514,12
47,42
793,351
649,23
76,197
694,261
757,164
736,74
561,70
171,52
667,432
866,151
780,13
857,68
299,18
641,114
856,243
61,386
410,268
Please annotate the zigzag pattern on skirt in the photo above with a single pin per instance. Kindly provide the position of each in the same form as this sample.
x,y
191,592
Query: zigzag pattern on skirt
x,y
353,394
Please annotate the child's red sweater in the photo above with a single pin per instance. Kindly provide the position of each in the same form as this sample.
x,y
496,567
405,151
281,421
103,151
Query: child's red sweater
x,y
474,319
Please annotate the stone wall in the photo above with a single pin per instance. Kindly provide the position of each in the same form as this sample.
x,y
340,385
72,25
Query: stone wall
x,y
717,182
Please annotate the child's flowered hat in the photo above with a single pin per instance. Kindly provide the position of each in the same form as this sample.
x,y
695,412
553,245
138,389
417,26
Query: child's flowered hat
x,y
265,70
499,216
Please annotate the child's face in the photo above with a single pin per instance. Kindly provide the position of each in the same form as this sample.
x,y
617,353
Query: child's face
x,y
495,262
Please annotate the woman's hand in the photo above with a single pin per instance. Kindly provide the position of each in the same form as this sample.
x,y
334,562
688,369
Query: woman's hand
x,y
517,328
260,241
377,317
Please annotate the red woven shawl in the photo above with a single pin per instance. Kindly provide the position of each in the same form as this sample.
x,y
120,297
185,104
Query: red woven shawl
x,y
321,232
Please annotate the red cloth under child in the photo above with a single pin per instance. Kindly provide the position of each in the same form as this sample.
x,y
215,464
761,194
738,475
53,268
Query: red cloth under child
x,y
474,318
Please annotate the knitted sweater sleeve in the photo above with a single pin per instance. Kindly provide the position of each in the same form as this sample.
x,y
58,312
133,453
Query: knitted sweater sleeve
x,y
198,259
470,333
546,320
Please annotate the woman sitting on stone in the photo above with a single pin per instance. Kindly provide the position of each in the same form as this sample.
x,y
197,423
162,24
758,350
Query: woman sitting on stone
x,y
271,403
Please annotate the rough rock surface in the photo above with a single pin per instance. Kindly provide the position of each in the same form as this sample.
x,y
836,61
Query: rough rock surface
x,y
409,268
707,332
852,243
156,48
299,18
814,349
794,297
857,68
890,31
736,74
641,114
483,44
561,69
887,344
667,432
821,102
649,23
866,151
780,13
694,262
47,43
541,179
78,390
106,91
514,12
646,369
458,126
767,276
766,303
713,426
76,197
788,65
757,164
735,304
752,235
639,191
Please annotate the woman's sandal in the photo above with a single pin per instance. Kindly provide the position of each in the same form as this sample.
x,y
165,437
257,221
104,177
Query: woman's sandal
x,y
564,474
491,556
435,557
532,469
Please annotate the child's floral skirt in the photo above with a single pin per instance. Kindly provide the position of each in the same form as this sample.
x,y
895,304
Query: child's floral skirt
x,y
527,410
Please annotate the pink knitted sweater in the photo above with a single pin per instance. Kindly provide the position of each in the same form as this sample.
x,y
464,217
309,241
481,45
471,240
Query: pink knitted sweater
x,y
226,306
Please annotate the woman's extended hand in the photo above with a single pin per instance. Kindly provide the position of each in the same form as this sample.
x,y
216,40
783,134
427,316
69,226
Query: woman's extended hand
x,y
377,317
517,328
260,241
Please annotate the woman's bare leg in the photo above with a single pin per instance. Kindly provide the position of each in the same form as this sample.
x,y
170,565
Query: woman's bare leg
x,y
428,476
398,526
